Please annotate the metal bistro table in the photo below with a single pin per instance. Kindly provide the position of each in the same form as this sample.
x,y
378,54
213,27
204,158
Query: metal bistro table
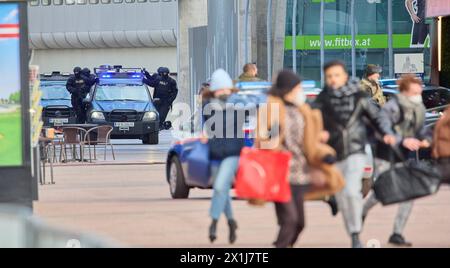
x,y
86,127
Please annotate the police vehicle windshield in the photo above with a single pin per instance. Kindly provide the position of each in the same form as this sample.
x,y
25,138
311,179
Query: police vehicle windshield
x,y
122,93
54,92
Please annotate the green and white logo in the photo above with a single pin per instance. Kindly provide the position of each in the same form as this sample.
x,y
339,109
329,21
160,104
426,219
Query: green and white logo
x,y
370,41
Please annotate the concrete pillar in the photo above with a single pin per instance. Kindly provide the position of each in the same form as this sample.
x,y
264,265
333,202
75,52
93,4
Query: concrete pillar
x,y
279,35
434,75
223,35
259,34
191,13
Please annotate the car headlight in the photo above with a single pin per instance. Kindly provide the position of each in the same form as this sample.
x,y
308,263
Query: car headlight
x,y
150,116
97,116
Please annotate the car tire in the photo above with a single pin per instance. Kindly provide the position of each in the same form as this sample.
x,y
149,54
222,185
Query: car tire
x,y
177,185
152,138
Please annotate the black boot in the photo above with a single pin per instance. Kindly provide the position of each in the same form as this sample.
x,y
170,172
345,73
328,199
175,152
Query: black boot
x,y
356,243
213,231
399,240
232,224
333,205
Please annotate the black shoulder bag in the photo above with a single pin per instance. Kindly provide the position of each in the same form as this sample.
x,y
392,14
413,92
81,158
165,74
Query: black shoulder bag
x,y
405,181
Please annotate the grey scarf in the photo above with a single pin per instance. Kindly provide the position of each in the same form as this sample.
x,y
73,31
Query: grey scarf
x,y
413,116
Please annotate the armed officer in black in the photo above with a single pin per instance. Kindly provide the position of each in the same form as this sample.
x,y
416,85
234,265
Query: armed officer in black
x,y
76,85
165,89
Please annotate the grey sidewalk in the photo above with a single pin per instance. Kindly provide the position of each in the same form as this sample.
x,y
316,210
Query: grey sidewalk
x,y
131,204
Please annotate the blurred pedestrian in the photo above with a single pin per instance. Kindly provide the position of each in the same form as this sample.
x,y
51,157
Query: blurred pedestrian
x,y
345,108
297,127
371,84
405,114
441,145
249,74
224,145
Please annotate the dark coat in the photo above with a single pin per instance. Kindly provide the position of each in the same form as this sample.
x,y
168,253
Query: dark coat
x,y
224,127
394,115
76,86
166,88
347,113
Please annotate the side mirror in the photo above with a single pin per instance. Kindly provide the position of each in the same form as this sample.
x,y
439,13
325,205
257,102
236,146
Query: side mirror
x,y
157,101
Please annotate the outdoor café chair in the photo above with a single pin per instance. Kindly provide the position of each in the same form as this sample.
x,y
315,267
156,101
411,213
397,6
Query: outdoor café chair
x,y
101,136
73,136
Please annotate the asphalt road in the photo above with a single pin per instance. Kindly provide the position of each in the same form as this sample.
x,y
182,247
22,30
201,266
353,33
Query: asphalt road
x,y
130,203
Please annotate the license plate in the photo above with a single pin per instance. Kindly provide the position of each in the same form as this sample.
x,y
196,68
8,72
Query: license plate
x,y
124,126
59,121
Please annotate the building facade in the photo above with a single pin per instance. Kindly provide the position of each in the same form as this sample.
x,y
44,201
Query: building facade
x,y
137,33
394,34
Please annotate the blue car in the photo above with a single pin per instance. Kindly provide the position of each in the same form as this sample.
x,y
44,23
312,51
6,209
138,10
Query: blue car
x,y
122,100
55,100
179,181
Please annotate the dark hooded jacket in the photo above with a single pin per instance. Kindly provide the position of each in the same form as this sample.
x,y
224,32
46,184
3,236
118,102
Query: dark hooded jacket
x,y
224,126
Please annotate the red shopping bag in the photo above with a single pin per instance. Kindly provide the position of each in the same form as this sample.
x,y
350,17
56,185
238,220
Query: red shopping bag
x,y
263,175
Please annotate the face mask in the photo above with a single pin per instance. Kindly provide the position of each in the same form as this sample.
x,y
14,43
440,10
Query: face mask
x,y
300,99
417,99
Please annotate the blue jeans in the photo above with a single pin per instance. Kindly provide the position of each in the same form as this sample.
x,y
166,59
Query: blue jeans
x,y
221,200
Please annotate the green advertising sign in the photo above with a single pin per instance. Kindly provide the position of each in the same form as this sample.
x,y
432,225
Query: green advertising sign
x,y
370,41
10,110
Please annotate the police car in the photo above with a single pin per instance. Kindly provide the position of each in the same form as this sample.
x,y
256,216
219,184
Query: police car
x,y
55,100
121,99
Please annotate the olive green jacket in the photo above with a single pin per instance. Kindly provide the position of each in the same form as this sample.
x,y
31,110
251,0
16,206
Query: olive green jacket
x,y
374,90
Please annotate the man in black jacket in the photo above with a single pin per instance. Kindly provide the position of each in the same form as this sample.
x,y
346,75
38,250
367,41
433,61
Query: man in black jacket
x,y
76,85
165,89
346,109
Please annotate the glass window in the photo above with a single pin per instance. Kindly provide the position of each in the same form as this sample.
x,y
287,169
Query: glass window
x,y
34,3
70,2
46,2
371,30
122,93
117,1
94,2
129,1
308,39
106,1
58,2
54,92
372,46
142,1
81,2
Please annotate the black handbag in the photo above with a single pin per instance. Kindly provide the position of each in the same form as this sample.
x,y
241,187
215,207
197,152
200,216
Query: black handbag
x,y
408,180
